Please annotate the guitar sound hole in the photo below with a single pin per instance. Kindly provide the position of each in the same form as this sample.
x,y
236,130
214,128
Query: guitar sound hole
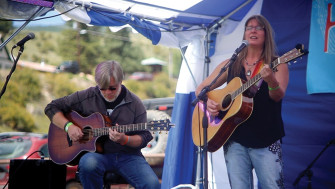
x,y
87,134
226,101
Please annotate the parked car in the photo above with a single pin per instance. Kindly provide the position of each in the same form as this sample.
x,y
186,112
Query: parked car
x,y
141,76
68,66
20,145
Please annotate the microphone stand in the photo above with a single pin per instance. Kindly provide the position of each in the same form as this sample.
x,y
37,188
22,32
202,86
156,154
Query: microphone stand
x,y
203,97
308,172
12,70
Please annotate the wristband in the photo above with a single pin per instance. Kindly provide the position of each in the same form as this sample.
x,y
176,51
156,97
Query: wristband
x,y
126,142
272,89
67,125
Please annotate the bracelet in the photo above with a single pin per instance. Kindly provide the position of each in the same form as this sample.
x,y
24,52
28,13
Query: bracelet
x,y
272,89
67,125
126,142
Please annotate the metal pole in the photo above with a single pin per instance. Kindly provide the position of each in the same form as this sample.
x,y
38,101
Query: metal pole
x,y
21,27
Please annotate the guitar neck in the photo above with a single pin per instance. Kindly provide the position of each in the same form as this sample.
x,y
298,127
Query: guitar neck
x,y
253,80
120,128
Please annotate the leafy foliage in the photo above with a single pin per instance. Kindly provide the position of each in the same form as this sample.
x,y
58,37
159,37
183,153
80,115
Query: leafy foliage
x,y
15,117
161,86
28,92
92,45
29,84
5,27
97,45
60,85
23,87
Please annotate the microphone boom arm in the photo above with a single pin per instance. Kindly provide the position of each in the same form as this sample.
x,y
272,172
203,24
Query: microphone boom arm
x,y
206,89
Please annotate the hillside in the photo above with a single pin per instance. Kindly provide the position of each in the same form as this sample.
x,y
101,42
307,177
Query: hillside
x,y
48,40
45,47
55,85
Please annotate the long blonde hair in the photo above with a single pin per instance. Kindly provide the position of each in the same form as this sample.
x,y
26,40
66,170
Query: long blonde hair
x,y
269,48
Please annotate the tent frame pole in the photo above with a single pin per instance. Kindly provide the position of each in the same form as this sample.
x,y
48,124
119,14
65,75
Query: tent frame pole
x,y
21,27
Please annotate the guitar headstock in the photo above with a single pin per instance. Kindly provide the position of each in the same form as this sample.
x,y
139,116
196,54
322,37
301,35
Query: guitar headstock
x,y
298,51
160,125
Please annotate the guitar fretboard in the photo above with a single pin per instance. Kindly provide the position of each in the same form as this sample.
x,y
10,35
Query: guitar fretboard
x,y
120,128
252,81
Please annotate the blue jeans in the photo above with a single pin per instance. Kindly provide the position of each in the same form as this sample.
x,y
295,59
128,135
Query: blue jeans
x,y
267,163
135,169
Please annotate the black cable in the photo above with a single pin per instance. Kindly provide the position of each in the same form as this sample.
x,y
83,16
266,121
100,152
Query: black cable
x,y
36,19
12,69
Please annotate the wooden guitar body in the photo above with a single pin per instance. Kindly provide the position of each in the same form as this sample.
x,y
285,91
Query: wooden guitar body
x,y
64,151
235,106
221,127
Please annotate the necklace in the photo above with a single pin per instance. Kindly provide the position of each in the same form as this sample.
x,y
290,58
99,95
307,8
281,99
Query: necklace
x,y
250,65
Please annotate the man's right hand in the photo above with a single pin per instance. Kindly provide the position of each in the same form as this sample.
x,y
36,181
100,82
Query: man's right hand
x,y
75,133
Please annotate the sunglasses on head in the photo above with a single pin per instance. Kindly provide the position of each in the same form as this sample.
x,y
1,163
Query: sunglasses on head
x,y
111,88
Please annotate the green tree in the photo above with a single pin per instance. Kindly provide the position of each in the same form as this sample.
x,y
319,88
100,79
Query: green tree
x,y
12,93
29,83
14,116
60,85
5,27
124,51
90,46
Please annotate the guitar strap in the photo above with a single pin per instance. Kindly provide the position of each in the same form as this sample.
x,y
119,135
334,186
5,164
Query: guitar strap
x,y
258,69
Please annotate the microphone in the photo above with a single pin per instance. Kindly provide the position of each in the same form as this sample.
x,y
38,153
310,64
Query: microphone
x,y
244,44
24,40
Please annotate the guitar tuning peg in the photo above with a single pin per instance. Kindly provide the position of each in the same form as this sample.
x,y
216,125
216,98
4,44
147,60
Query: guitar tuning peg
x,y
294,62
289,63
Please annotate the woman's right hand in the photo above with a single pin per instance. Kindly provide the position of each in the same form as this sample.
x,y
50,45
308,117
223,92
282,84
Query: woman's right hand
x,y
213,107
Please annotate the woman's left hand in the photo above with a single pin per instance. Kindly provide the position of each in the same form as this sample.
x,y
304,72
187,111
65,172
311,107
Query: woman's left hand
x,y
267,74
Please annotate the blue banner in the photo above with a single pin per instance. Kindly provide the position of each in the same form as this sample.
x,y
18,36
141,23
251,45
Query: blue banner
x,y
321,60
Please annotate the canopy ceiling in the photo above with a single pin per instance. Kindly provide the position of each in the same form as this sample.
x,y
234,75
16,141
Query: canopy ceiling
x,y
153,19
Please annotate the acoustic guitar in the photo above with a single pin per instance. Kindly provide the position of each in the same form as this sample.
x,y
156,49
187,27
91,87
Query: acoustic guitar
x,y
64,151
236,107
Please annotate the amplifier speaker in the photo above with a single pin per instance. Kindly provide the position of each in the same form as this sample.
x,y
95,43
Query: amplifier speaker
x,y
38,174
